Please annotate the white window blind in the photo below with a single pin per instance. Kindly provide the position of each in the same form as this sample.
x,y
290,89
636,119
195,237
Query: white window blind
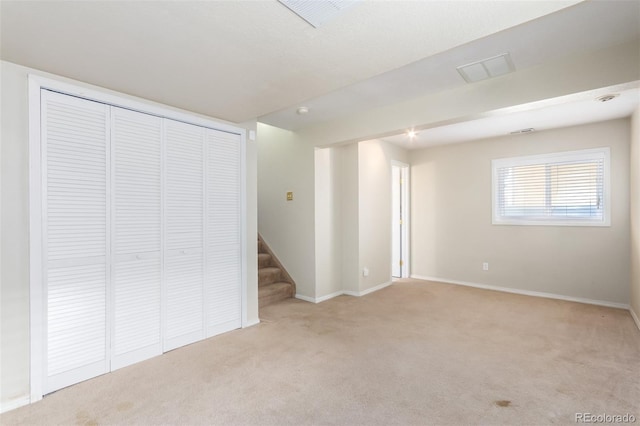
x,y
566,188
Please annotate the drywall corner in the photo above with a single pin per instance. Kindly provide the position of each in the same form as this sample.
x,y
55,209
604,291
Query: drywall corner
x,y
327,224
350,210
374,220
634,211
251,203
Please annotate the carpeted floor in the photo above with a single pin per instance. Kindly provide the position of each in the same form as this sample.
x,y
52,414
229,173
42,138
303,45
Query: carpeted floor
x,y
415,353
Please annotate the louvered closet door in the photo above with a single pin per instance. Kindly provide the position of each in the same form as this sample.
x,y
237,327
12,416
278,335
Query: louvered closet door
x,y
223,282
75,237
136,141
184,261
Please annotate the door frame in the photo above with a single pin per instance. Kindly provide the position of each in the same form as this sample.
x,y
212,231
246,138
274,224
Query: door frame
x,y
37,295
405,205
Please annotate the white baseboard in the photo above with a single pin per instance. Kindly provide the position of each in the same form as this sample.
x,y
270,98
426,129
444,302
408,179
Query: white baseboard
x,y
306,298
251,323
376,288
329,296
526,292
635,317
343,292
14,403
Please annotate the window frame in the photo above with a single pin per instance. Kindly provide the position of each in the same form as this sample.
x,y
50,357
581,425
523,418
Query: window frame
x,y
551,158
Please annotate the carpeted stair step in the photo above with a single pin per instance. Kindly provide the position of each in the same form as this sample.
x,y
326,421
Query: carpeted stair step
x,y
264,260
269,275
274,283
274,292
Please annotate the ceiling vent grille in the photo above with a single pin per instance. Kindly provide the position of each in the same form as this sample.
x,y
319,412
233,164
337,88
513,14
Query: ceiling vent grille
x,y
487,68
317,12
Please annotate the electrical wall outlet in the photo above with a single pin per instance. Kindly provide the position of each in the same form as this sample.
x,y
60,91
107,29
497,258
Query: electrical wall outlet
x,y
365,272
485,266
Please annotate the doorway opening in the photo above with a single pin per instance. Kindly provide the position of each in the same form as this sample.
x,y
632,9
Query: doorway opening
x,y
399,220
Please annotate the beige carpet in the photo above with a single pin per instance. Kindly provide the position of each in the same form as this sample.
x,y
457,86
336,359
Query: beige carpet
x,y
413,353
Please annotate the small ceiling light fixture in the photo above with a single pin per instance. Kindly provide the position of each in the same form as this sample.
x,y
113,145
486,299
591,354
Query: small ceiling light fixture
x,y
487,68
412,134
607,98
527,130
302,110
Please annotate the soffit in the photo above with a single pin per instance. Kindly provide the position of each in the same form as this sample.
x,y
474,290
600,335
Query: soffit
x,y
586,27
237,60
567,111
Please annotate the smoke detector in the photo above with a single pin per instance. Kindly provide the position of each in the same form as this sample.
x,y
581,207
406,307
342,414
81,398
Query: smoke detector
x,y
521,131
607,98
302,110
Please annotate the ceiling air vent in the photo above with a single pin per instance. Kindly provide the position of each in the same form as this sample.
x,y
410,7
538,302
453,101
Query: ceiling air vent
x,y
487,68
317,12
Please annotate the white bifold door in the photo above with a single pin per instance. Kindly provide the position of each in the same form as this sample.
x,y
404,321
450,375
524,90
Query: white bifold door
x,y
76,238
136,211
185,234
141,236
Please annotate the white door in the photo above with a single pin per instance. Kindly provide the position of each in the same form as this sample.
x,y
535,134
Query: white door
x,y
136,141
223,286
184,259
141,230
75,184
399,220
396,240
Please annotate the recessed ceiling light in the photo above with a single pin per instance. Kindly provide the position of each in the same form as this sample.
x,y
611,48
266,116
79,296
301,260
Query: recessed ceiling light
x,y
607,98
302,110
412,134
487,68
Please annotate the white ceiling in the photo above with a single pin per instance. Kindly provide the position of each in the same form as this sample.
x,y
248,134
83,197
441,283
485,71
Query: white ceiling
x,y
568,111
589,26
238,60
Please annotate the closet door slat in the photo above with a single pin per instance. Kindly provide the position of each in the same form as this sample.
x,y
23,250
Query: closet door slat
x,y
223,274
184,213
76,240
136,141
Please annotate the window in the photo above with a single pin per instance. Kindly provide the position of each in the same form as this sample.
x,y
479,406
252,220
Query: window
x,y
565,188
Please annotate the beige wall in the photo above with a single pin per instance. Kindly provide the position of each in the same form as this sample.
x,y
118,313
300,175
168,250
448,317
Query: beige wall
x,y
353,216
286,163
635,214
14,281
348,179
328,223
374,169
452,234
14,277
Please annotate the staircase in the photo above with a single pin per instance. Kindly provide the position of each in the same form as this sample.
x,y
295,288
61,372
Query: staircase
x,y
274,283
